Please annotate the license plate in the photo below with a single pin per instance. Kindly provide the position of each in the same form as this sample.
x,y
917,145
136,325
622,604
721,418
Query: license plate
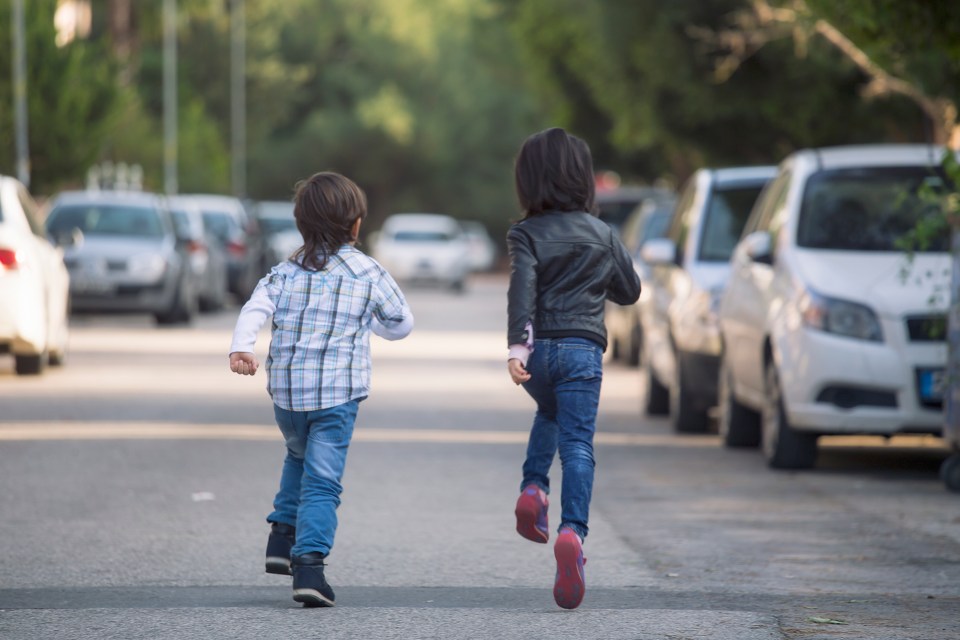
x,y
90,286
931,384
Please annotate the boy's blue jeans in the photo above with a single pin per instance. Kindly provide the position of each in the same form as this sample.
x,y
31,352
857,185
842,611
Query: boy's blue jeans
x,y
565,376
309,495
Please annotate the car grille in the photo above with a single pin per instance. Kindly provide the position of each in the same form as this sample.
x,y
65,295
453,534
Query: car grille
x,y
931,328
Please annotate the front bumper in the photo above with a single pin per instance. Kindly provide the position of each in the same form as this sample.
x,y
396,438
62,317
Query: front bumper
x,y
837,385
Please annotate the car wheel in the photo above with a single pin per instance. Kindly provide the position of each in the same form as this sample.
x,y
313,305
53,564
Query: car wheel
x,y
658,396
684,411
783,446
29,365
950,472
183,308
738,425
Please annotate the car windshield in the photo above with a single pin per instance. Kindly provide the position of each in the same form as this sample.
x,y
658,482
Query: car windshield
x,y
726,216
422,236
868,209
106,219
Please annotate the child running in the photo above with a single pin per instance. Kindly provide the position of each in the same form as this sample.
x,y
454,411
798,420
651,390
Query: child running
x,y
565,263
325,300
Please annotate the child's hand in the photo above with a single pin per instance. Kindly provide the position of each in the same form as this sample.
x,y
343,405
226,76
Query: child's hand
x,y
243,363
517,371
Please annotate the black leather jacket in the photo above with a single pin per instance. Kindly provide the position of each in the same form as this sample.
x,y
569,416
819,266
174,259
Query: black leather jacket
x,y
564,266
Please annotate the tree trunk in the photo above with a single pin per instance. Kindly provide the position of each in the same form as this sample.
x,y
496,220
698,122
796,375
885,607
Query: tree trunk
x,y
122,37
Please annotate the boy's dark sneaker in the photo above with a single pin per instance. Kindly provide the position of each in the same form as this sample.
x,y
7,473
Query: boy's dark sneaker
x,y
532,514
569,587
309,585
281,540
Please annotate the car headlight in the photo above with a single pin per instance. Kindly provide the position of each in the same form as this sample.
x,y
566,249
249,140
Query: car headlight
x,y
841,317
147,266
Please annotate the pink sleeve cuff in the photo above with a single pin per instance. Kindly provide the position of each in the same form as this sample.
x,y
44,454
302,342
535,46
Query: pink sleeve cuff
x,y
519,352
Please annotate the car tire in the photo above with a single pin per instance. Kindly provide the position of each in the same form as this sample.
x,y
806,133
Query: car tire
x,y
950,472
738,425
632,355
657,395
29,365
783,446
183,308
685,413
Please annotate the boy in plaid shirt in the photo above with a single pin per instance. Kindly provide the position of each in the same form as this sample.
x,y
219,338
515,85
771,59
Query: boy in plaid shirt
x,y
325,300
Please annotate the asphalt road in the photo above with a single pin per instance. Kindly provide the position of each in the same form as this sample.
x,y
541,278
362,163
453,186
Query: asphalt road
x,y
135,481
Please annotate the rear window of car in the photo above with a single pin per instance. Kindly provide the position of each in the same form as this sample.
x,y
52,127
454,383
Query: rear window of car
x,y
106,219
277,225
868,209
221,225
726,215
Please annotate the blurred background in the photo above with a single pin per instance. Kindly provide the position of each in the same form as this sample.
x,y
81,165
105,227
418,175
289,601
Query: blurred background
x,y
425,102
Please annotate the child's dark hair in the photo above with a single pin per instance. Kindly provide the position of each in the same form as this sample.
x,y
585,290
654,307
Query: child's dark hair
x,y
326,206
554,172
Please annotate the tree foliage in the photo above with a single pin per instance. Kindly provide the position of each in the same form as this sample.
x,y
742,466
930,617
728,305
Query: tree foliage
x,y
649,72
71,96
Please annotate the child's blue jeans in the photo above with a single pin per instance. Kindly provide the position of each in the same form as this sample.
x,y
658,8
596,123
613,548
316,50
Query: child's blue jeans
x,y
309,495
565,376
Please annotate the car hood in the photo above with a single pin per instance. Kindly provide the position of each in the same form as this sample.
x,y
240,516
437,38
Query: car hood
x,y
116,247
888,282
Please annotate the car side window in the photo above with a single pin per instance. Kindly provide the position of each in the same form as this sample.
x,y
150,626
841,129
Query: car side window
x,y
31,210
680,225
771,199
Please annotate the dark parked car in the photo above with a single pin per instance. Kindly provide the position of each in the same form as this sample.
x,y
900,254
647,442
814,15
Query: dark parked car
x,y
123,254
239,234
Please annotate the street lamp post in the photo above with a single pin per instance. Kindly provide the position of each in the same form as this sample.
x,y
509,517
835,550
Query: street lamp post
x,y
170,185
238,98
20,93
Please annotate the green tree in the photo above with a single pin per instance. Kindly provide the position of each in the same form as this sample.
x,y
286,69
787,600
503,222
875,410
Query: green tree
x,y
650,70
72,100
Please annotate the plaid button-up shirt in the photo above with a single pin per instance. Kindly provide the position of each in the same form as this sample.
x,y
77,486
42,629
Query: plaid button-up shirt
x,y
320,343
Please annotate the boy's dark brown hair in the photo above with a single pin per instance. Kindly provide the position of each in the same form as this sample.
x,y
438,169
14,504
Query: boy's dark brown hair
x,y
554,172
326,206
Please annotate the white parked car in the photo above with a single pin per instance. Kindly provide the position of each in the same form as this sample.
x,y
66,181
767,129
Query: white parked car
x,y
34,285
689,268
480,246
823,333
424,247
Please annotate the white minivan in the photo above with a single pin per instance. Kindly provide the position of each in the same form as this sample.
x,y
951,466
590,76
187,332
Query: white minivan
x,y
828,326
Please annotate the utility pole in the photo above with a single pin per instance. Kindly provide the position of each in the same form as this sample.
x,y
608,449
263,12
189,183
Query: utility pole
x,y
170,186
238,98
20,93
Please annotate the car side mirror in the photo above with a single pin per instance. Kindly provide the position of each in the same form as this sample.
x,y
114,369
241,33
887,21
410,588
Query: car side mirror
x,y
659,251
759,247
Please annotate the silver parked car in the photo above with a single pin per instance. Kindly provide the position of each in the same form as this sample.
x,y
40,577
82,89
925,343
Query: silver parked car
x,y
280,233
123,254
689,268
238,233
208,260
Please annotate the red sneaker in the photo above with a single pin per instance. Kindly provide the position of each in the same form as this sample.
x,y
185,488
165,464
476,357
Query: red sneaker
x,y
531,514
569,587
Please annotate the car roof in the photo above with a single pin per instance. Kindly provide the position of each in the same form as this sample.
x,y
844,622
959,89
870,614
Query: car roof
x,y
138,198
216,201
419,220
871,155
733,175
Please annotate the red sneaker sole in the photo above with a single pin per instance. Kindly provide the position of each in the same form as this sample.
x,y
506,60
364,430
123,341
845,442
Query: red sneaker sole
x,y
569,587
528,508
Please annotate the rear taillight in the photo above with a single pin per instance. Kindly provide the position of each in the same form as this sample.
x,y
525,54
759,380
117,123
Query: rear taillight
x,y
195,246
235,248
8,259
